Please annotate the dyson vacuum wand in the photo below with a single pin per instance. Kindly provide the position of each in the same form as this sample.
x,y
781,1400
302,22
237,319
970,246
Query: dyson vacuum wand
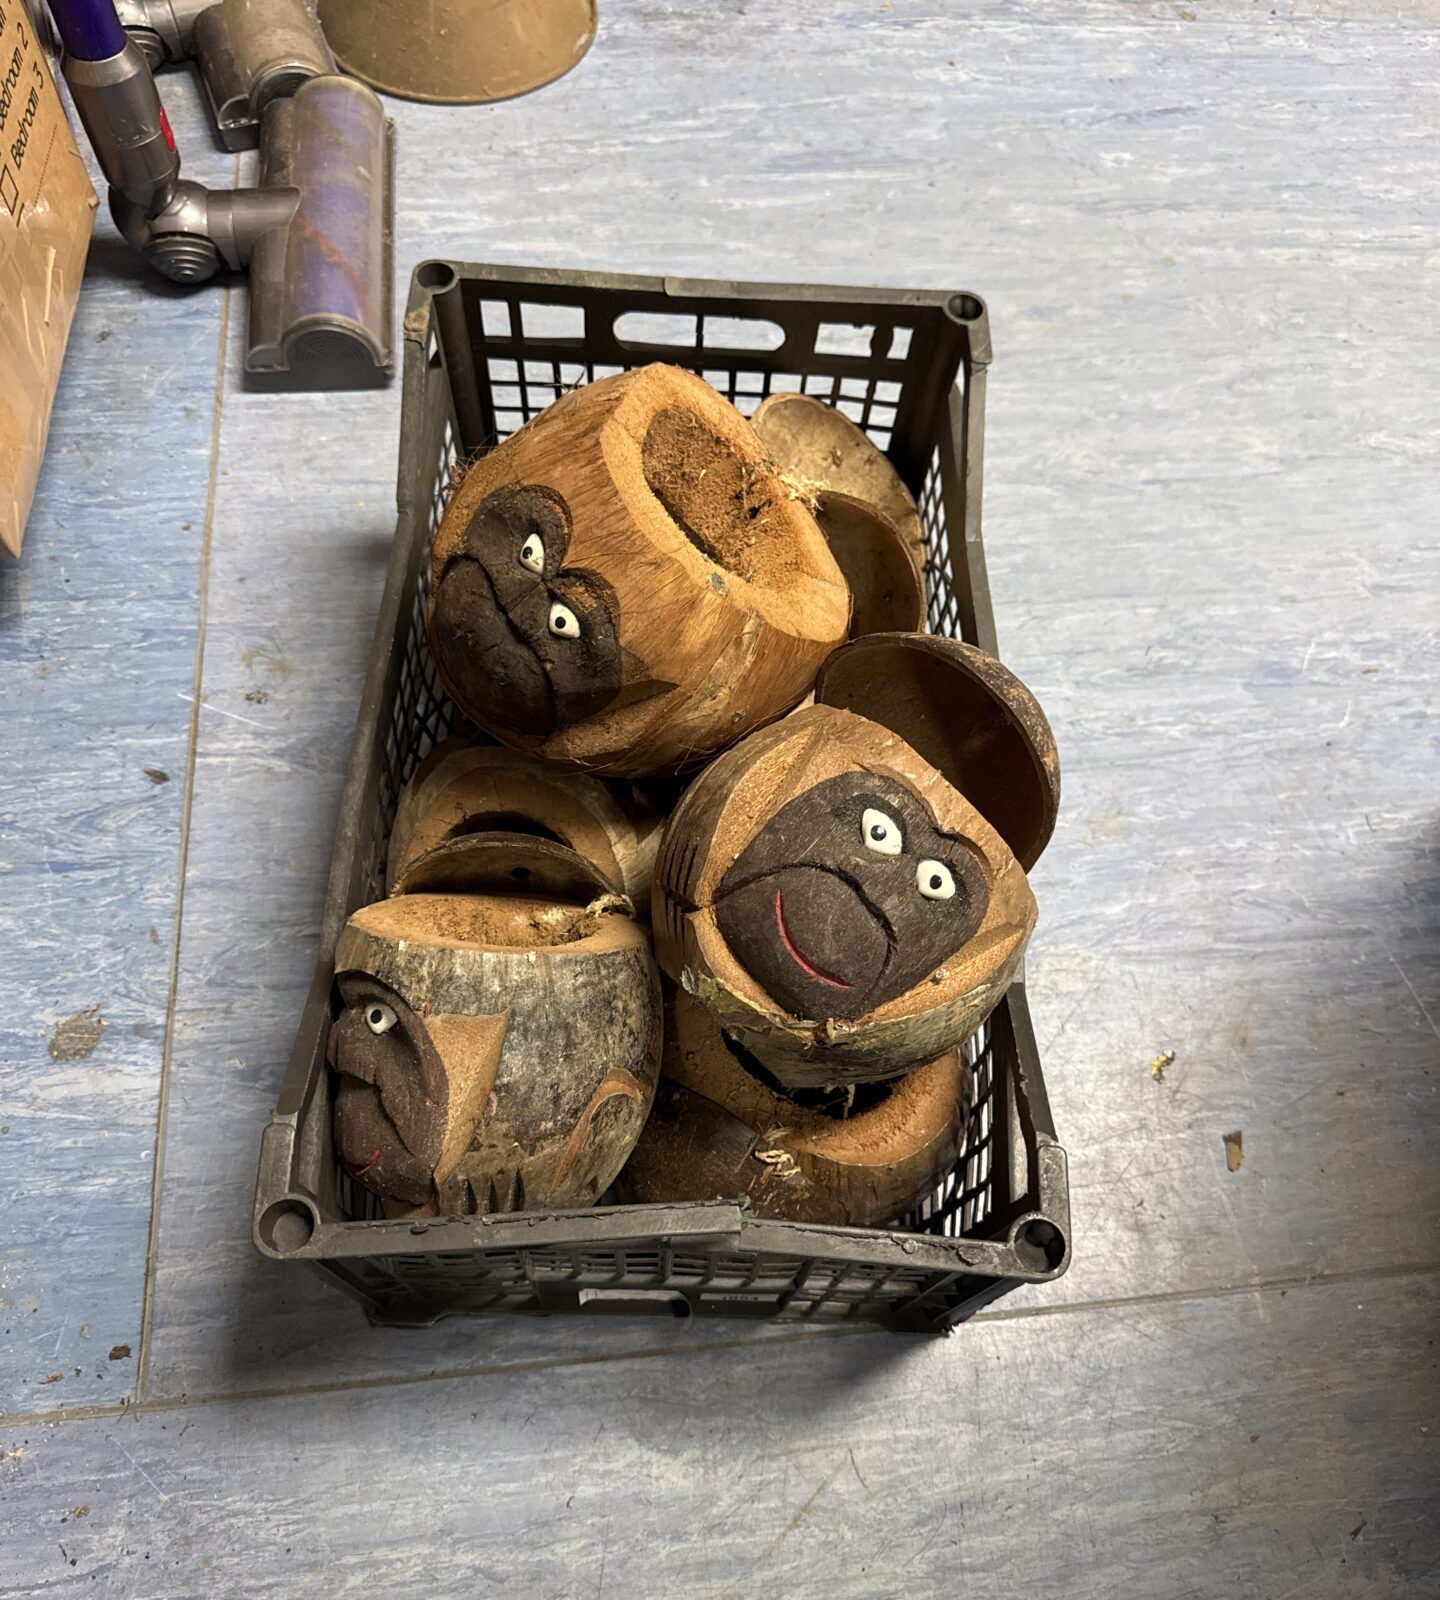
x,y
314,233
184,230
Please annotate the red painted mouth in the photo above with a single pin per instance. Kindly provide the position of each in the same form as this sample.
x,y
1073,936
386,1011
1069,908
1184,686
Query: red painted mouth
x,y
807,967
360,1171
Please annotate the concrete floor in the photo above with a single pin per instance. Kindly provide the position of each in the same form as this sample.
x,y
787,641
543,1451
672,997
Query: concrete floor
x,y
1208,239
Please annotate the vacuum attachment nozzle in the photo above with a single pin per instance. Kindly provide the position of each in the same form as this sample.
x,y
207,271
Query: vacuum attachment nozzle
x,y
250,53
321,312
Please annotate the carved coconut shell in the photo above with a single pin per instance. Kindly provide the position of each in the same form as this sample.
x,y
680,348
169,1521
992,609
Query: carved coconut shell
x,y
462,789
720,1130
495,1051
886,587
818,445
627,585
837,966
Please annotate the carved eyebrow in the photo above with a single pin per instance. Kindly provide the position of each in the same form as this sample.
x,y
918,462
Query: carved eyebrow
x,y
906,802
522,509
367,990
853,806
586,586
880,802
969,847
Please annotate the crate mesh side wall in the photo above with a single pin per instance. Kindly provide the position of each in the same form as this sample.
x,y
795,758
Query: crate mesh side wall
x,y
476,1281
526,356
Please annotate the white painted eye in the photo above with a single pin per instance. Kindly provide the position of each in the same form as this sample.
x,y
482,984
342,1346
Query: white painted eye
x,y
881,833
379,1018
564,624
935,880
532,554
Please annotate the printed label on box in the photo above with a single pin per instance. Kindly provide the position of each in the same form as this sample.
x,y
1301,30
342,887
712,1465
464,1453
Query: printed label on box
x,y
47,205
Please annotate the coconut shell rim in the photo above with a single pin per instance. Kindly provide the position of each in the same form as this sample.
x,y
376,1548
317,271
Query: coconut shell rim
x,y
978,670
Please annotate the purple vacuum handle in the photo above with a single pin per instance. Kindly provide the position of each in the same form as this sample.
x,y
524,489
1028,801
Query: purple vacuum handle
x,y
114,92
89,29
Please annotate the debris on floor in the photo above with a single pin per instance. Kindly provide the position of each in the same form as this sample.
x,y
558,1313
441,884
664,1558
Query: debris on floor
x,y
1234,1150
75,1037
1161,1064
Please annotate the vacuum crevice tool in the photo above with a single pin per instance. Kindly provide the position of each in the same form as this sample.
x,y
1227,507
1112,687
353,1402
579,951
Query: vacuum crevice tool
x,y
315,233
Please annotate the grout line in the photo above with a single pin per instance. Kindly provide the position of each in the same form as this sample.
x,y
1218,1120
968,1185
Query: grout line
x,y
157,1165
184,1402
1222,1292
499,1369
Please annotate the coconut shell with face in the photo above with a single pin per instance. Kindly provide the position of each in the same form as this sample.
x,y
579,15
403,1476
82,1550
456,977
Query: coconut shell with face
x,y
723,1128
627,585
833,898
461,789
496,1050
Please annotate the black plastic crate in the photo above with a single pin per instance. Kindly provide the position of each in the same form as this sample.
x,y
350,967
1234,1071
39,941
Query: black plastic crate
x,y
485,349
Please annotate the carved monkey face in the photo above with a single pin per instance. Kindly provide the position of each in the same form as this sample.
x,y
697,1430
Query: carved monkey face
x,y
533,643
848,897
378,1047
394,1114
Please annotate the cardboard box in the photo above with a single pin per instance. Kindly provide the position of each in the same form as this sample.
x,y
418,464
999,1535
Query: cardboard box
x,y
47,208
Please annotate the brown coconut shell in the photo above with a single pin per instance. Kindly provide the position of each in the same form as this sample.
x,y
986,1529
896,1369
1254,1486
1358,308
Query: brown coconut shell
x,y
696,594
819,445
522,1060
886,588
719,1130
968,715
730,805
511,864
415,795
463,789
